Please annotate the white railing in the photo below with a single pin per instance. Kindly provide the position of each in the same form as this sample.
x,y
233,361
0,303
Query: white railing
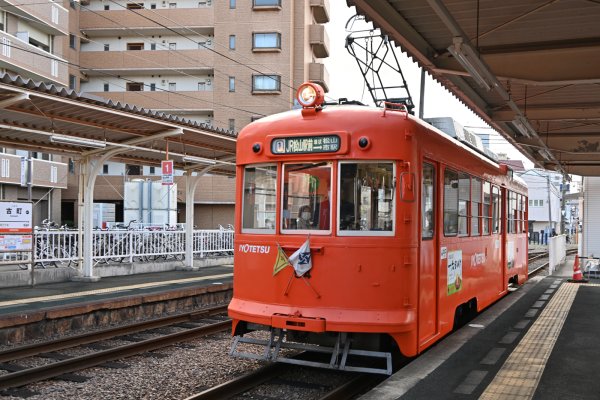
x,y
59,247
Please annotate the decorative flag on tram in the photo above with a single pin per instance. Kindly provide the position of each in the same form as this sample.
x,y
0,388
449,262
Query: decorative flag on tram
x,y
281,262
301,259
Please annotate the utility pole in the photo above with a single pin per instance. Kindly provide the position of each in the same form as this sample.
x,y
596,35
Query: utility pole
x,y
563,205
549,205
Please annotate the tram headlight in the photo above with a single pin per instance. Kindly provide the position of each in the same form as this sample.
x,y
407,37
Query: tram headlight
x,y
310,95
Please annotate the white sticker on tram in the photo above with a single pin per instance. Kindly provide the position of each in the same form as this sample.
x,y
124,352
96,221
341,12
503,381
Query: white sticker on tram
x,y
477,259
444,253
251,248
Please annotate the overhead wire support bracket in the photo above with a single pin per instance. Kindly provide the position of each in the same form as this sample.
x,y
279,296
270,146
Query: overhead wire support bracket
x,y
374,53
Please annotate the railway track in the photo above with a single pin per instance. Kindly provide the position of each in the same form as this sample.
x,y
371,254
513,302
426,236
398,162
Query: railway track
x,y
69,365
341,385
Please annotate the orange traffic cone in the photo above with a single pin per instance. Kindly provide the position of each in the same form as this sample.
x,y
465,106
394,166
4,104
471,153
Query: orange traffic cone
x,y
577,274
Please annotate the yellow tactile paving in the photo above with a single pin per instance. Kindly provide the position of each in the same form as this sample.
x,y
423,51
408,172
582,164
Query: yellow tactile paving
x,y
519,376
110,290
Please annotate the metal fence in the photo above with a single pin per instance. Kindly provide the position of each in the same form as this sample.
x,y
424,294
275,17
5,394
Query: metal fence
x,y
59,247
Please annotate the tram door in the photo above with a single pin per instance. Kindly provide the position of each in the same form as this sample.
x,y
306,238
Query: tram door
x,y
428,258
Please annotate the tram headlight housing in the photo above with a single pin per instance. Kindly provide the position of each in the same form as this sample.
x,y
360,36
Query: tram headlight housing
x,y
310,95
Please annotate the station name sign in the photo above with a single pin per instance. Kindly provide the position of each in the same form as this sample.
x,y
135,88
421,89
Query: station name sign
x,y
306,144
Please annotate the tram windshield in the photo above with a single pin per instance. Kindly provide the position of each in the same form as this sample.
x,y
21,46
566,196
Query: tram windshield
x,y
306,196
365,194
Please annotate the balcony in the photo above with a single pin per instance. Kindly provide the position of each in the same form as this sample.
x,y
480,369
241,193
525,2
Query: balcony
x,y
150,61
49,174
320,10
10,169
48,17
31,62
319,41
317,73
160,100
116,22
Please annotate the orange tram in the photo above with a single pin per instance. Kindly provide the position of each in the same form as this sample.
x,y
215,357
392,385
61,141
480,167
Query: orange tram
x,y
405,231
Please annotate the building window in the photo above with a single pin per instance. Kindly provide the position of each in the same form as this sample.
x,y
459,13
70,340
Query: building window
x,y
153,87
232,124
106,87
106,7
152,46
152,170
202,3
232,4
72,82
266,83
172,5
231,42
72,41
135,6
107,47
105,169
267,3
232,84
153,6
134,86
135,46
268,40
172,86
201,86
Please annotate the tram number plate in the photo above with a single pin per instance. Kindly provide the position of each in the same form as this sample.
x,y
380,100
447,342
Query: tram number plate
x,y
306,144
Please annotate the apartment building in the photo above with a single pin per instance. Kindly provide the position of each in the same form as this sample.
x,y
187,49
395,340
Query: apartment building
x,y
224,63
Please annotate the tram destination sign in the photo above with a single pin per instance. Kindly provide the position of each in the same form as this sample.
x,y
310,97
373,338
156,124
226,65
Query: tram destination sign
x,y
306,144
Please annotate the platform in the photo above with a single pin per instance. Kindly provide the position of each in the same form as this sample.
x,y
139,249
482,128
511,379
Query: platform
x,y
23,300
540,342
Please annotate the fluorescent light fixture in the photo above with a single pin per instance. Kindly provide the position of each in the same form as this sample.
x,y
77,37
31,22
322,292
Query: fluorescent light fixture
x,y
469,61
193,159
77,141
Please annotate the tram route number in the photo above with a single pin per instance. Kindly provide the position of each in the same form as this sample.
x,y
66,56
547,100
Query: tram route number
x,y
306,144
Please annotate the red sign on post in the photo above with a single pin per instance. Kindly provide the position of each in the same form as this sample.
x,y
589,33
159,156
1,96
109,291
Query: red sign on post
x,y
167,172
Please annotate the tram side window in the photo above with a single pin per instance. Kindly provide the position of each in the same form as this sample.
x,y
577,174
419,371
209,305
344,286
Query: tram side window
x,y
450,202
475,204
464,194
366,196
487,202
258,211
427,202
525,214
306,196
495,209
511,212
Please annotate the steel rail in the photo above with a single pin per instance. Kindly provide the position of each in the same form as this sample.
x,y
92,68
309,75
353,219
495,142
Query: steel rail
x,y
353,388
37,374
78,340
240,384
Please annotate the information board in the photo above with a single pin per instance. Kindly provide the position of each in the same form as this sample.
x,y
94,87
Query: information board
x,y
306,144
167,172
16,226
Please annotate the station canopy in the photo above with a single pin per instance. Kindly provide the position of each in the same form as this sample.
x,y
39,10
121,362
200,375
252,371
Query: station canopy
x,y
48,118
530,69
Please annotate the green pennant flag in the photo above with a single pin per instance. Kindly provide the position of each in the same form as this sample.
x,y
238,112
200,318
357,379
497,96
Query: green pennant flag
x,y
281,262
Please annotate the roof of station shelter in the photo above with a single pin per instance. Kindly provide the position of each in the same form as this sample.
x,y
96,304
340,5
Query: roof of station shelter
x,y
527,68
34,116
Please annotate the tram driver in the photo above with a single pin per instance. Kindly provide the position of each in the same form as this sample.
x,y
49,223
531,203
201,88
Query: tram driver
x,y
304,215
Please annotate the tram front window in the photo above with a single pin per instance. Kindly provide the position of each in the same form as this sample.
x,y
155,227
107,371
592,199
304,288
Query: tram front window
x,y
366,196
306,197
258,211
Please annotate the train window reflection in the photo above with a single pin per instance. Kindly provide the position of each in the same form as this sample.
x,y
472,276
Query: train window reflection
x,y
258,211
366,197
306,197
450,202
464,189
427,202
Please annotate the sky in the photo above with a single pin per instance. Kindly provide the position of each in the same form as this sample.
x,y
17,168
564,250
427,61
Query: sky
x,y
345,80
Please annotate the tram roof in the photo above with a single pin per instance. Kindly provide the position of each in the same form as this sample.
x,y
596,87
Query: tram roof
x,y
529,69
33,112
